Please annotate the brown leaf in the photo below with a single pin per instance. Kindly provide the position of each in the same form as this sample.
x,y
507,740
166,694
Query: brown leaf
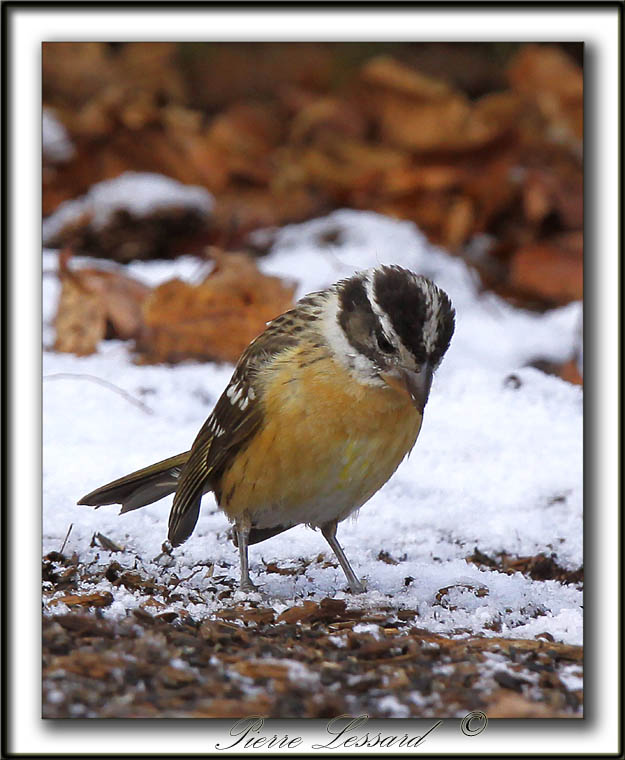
x,y
554,189
78,72
420,113
91,301
388,73
344,165
219,632
331,608
234,708
549,271
80,320
245,135
492,190
570,372
97,599
403,179
327,115
260,615
273,567
152,602
503,704
459,222
424,126
547,77
216,319
93,665
299,613
262,669
327,610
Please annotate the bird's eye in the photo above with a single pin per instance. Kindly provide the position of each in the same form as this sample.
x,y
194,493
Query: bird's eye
x,y
384,344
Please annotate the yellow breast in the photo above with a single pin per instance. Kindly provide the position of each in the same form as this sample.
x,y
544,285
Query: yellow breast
x,y
327,444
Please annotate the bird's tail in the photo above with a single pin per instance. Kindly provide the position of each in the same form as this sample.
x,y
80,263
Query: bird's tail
x,y
141,487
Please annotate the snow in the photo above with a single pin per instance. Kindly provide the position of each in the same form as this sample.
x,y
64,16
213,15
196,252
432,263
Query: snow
x,y
55,143
571,677
498,464
393,707
138,193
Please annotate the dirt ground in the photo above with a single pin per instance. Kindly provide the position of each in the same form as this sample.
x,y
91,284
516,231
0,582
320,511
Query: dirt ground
x,y
313,660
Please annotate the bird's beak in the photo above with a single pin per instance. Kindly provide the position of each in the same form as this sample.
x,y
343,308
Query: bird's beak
x,y
416,384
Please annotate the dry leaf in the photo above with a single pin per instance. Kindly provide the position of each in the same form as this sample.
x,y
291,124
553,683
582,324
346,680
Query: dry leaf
x,y
385,72
503,704
569,371
547,77
97,599
234,708
327,115
259,615
216,319
80,320
327,610
549,271
262,669
93,302
281,139
299,613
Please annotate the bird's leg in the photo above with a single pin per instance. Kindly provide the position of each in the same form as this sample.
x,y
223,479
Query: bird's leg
x,y
329,533
242,531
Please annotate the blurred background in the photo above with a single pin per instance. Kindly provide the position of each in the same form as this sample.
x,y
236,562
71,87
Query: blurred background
x,y
478,144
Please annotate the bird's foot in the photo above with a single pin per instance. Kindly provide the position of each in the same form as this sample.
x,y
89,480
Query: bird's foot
x,y
357,587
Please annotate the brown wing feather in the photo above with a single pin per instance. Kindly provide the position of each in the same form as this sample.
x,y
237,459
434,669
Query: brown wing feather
x,y
236,417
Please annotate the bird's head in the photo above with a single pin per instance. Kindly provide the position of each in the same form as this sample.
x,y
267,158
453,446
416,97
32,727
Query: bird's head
x,y
391,327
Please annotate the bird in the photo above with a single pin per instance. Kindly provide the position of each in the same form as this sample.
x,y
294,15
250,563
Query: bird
x,y
319,412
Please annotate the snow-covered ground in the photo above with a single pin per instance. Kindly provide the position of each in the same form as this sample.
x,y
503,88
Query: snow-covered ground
x,y
138,193
498,464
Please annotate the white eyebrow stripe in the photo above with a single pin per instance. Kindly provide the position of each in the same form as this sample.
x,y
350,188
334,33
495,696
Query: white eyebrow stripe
x,y
384,319
431,326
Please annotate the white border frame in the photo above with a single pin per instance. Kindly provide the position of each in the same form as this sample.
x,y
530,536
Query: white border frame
x,y
27,28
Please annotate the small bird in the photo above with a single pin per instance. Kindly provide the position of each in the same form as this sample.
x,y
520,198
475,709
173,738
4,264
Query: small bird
x,y
320,410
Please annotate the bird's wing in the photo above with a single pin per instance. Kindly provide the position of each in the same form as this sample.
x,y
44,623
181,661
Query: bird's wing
x,y
236,417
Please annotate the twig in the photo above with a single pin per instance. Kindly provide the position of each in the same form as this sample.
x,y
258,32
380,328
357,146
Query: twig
x,y
105,383
69,530
178,581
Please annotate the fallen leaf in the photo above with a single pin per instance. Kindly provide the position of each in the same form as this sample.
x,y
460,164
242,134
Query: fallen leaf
x,y
234,708
547,77
97,599
327,610
569,371
548,270
261,669
93,301
388,73
216,319
152,602
299,613
259,615
503,704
